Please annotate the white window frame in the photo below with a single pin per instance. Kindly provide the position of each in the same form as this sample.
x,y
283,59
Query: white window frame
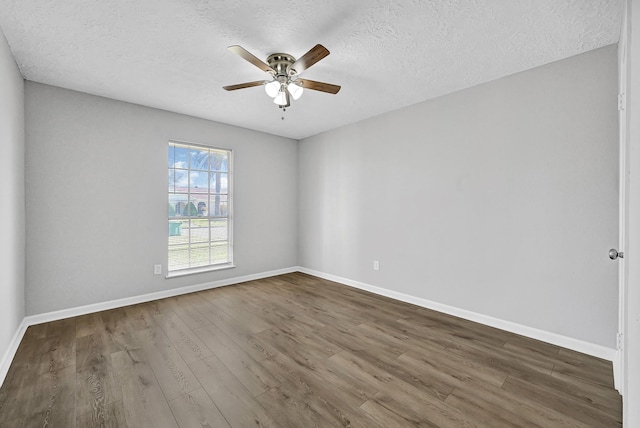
x,y
229,215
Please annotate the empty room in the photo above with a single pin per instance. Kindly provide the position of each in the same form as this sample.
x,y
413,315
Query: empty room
x,y
329,214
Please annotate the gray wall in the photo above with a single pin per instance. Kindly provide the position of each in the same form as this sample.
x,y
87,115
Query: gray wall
x,y
12,197
96,177
501,199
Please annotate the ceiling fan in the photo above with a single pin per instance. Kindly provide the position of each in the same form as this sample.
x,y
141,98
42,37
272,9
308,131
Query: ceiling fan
x,y
284,70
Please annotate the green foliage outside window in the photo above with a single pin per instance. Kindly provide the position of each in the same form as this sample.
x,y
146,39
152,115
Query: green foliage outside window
x,y
190,210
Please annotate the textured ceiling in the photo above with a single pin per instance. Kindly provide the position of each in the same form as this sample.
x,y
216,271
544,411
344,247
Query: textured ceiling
x,y
172,54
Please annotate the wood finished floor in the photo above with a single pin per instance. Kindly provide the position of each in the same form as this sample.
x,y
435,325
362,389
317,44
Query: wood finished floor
x,y
296,351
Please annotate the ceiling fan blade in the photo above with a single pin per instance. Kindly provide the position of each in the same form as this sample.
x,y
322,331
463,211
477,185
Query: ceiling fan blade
x,y
244,85
319,86
239,50
314,55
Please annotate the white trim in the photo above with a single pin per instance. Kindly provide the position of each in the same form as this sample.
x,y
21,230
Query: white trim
x,y
7,358
112,304
618,371
553,338
534,333
193,271
623,198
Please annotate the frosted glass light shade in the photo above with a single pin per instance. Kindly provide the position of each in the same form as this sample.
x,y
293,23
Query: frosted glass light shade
x,y
281,98
295,90
272,88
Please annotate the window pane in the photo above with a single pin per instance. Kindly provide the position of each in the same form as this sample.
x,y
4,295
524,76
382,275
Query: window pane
x,y
189,209
219,229
220,252
219,161
199,222
172,155
181,180
199,234
178,233
199,182
218,205
219,182
181,157
178,259
200,255
202,206
199,159
178,201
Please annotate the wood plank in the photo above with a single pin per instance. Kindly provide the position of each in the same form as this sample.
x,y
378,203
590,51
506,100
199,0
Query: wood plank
x,y
592,370
118,331
235,331
457,366
555,400
235,402
289,339
493,405
500,359
276,309
53,399
139,317
171,371
195,409
142,399
390,416
414,405
186,342
249,372
89,324
110,416
37,331
295,405
16,391
235,308
188,314
331,397
96,386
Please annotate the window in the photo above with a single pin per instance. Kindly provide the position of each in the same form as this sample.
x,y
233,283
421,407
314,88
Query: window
x,y
199,208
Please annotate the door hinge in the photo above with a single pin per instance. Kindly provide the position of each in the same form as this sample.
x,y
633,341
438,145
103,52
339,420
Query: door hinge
x,y
619,341
622,101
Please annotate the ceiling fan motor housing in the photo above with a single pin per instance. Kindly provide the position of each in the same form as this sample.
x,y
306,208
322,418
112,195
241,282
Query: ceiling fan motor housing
x,y
281,63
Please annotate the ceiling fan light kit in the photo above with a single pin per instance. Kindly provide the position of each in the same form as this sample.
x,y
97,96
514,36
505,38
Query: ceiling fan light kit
x,y
272,88
284,70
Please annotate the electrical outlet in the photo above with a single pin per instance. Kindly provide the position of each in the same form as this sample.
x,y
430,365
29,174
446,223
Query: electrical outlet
x,y
376,265
157,269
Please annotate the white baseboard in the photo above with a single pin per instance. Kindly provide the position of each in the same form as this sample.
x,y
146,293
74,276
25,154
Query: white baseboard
x,y
118,303
7,358
552,338
534,333
618,379
5,363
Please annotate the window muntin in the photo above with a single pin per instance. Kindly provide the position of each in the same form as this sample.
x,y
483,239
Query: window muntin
x,y
199,207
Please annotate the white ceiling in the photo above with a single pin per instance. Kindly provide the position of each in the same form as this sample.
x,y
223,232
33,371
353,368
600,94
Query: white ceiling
x,y
172,54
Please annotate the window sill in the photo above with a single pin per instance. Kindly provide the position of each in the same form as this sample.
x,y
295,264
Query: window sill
x,y
203,269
